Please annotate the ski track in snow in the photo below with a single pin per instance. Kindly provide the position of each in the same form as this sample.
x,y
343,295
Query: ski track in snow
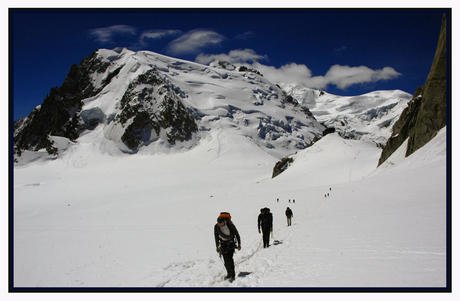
x,y
251,262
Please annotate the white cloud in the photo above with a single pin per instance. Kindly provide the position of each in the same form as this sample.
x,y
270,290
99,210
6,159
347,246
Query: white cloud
x,y
194,41
290,73
340,76
345,76
157,35
106,34
239,56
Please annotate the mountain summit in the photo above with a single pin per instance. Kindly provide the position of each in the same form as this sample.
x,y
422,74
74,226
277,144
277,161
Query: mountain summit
x,y
146,102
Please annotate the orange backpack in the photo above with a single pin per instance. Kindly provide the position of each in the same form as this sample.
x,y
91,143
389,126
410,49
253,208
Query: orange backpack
x,y
226,215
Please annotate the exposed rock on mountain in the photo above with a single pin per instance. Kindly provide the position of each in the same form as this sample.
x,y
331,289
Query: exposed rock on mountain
x,y
146,102
281,166
368,117
152,105
426,112
58,114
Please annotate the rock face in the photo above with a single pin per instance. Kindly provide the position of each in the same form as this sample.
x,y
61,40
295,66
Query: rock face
x,y
281,166
57,115
153,105
426,112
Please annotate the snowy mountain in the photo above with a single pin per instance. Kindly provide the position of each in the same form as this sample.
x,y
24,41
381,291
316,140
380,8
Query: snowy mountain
x,y
368,117
143,102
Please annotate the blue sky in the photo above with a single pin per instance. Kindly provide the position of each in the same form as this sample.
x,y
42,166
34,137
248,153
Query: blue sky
x,y
343,51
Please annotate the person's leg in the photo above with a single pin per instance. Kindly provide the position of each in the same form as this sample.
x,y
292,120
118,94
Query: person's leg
x,y
229,264
266,235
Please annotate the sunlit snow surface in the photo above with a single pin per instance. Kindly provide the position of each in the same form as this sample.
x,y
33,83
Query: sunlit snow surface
x,y
95,218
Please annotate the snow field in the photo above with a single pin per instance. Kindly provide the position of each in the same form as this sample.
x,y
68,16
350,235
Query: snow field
x,y
147,220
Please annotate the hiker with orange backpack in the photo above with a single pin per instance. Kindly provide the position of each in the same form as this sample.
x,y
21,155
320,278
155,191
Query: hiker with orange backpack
x,y
226,236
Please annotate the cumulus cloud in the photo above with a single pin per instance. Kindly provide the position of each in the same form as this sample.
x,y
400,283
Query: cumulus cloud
x,y
106,34
340,76
239,56
194,41
290,73
345,76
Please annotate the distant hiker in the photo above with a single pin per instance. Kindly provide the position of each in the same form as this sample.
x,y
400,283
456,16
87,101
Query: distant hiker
x,y
265,221
289,200
293,200
289,215
226,235
278,200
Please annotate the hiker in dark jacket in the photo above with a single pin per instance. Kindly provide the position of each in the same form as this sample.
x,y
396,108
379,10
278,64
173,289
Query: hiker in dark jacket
x,y
289,215
225,234
265,221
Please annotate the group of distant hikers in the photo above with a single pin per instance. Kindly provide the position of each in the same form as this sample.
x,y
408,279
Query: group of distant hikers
x,y
228,239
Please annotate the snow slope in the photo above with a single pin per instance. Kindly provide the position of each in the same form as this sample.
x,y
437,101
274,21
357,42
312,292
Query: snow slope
x,y
368,117
93,219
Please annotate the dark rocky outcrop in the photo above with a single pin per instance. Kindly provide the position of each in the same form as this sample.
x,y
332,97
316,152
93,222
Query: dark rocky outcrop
x,y
328,131
426,112
153,105
57,115
281,166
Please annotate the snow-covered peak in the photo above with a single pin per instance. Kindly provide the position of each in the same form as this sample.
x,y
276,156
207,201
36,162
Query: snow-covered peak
x,y
144,102
368,117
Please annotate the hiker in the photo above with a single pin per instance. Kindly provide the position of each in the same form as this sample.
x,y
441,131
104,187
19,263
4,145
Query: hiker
x,y
265,221
225,235
289,215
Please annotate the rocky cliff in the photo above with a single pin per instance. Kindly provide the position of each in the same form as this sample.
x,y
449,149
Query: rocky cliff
x,y
426,112
58,113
